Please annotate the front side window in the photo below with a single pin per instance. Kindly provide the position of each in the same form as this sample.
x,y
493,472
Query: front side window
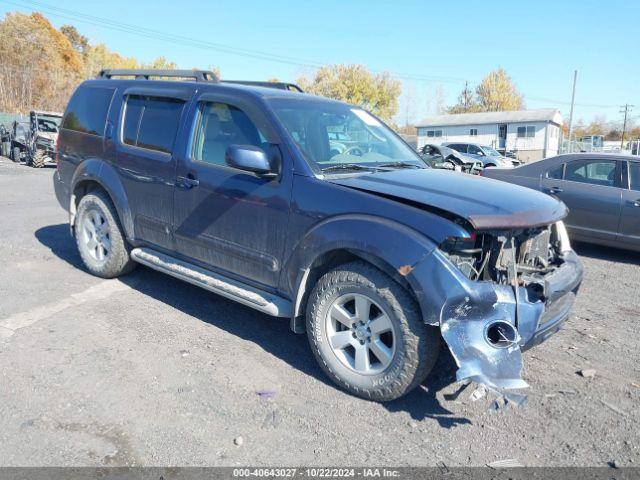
x,y
596,172
473,150
219,126
151,122
363,139
87,110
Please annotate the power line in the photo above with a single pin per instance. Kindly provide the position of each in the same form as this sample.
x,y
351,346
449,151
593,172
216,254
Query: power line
x,y
192,42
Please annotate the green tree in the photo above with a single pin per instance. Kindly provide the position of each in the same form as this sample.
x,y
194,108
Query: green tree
x,y
79,42
354,84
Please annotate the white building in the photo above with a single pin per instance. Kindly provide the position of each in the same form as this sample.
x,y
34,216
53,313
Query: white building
x,y
531,134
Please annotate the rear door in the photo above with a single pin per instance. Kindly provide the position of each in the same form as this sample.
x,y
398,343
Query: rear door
x,y
150,121
630,221
591,190
227,219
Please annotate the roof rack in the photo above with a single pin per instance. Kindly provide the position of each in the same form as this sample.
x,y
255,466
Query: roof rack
x,y
292,87
145,74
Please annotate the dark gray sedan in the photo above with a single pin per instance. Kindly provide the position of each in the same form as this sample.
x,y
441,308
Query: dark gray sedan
x,y
602,192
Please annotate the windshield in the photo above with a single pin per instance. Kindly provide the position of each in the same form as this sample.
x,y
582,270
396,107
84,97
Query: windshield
x,y
491,152
332,134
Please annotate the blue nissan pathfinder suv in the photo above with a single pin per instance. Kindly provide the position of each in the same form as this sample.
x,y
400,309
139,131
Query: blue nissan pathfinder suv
x,y
377,257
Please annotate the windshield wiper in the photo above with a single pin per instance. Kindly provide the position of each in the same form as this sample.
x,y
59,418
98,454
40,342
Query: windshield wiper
x,y
398,165
347,166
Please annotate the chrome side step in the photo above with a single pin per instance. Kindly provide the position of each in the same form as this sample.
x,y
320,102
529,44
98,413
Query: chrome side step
x,y
214,282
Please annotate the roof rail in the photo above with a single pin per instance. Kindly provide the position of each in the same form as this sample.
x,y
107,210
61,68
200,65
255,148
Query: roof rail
x,y
145,74
292,87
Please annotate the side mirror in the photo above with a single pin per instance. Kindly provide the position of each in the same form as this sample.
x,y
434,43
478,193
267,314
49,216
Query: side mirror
x,y
250,159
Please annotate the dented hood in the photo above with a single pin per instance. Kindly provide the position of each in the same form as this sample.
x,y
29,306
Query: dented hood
x,y
483,202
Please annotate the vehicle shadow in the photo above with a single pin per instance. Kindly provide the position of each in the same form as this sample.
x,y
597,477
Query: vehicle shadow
x,y
606,253
271,334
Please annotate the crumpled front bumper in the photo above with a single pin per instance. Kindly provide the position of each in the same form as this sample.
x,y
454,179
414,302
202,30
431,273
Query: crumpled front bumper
x,y
465,309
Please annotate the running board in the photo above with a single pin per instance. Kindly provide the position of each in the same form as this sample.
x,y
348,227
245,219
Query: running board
x,y
214,282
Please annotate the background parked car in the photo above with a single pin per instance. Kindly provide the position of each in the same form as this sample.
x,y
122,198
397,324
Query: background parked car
x,y
488,156
602,192
440,156
19,139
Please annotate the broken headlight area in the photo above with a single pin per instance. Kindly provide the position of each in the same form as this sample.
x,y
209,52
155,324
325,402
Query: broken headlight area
x,y
509,274
521,258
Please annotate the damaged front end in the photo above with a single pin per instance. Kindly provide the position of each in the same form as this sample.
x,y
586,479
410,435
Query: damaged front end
x,y
500,291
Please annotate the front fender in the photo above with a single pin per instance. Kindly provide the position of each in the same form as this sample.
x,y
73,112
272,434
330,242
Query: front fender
x,y
101,172
395,244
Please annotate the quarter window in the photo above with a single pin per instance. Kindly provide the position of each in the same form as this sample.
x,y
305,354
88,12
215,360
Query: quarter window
x,y
527,132
87,110
596,172
220,125
556,172
151,122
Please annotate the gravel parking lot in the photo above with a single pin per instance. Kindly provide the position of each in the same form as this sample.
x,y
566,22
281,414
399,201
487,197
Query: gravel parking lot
x,y
148,370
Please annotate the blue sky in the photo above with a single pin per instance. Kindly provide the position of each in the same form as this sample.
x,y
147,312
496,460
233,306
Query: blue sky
x,y
442,42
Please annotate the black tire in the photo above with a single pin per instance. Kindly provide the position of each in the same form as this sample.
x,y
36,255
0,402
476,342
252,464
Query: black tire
x,y
37,161
116,261
16,154
416,344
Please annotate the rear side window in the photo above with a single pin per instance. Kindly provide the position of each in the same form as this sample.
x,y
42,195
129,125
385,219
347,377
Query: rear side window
x,y
151,122
596,172
87,110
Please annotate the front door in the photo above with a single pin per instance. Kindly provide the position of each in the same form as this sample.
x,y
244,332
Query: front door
x,y
591,190
630,220
226,219
502,135
146,165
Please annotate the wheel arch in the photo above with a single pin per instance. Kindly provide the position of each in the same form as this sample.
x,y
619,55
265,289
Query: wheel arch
x,y
97,174
392,247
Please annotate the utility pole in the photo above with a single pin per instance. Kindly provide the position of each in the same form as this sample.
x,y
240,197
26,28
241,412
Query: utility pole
x,y
573,98
626,108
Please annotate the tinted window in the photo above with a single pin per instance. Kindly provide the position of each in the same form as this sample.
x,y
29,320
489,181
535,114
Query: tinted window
x,y
475,150
458,147
132,120
634,176
221,125
87,110
597,172
151,122
556,172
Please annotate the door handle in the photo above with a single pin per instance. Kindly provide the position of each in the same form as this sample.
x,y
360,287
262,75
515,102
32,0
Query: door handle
x,y
554,190
187,182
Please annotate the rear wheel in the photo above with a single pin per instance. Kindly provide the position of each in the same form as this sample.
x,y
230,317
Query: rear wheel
x,y
367,333
99,237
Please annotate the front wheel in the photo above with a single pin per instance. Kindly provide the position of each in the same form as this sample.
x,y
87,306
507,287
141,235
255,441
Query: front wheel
x,y
37,160
367,333
101,243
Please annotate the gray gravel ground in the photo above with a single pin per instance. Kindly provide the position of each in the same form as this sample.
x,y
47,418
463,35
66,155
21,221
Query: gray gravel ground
x,y
148,370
